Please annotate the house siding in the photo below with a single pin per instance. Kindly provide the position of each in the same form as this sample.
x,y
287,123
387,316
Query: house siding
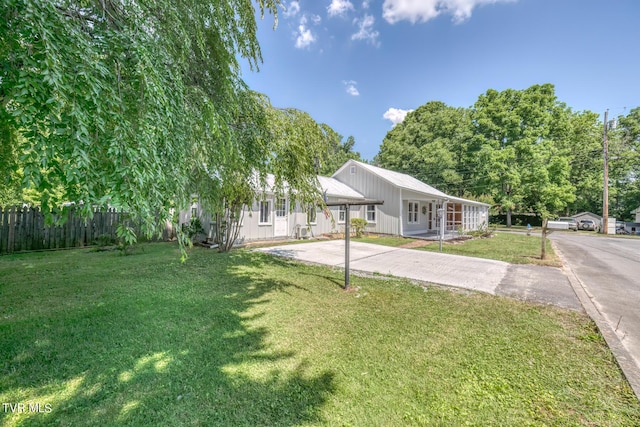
x,y
374,188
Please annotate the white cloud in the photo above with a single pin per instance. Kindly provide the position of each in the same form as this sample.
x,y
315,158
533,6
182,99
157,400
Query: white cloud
x,y
339,7
365,30
365,4
316,19
424,10
292,9
396,115
351,88
304,36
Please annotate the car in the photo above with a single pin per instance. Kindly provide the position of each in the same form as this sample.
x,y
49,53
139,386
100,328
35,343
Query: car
x,y
588,224
573,224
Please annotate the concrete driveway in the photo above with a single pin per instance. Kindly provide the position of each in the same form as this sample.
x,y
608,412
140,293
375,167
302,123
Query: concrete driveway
x,y
544,285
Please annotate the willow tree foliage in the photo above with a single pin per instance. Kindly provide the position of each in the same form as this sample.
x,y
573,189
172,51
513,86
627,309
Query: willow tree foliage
x,y
128,103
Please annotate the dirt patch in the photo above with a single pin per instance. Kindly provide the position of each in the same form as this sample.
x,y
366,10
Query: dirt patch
x,y
417,244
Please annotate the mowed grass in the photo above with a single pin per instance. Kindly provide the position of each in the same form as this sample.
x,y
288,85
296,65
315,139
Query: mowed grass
x,y
244,339
514,248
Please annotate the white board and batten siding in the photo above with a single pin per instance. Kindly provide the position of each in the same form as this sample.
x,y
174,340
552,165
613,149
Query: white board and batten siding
x,y
374,188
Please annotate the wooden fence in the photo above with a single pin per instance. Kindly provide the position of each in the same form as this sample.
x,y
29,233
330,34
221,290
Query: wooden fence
x,y
25,229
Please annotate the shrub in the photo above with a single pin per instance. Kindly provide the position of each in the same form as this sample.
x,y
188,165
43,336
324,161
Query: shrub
x,y
359,224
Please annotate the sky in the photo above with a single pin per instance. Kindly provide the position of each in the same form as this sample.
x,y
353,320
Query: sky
x,y
360,66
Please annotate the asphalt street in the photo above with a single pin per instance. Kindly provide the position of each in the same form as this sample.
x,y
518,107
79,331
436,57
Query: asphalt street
x,y
608,270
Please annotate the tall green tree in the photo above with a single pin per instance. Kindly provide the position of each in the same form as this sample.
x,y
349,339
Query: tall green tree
x,y
624,165
519,160
126,103
337,152
431,144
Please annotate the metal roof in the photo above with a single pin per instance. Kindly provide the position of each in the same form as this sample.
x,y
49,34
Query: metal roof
x,y
334,188
407,182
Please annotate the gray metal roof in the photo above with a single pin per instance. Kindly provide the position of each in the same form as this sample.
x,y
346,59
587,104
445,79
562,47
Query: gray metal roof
x,y
334,188
407,182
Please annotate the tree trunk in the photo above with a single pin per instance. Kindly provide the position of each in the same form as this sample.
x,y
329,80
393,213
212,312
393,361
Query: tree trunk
x,y
509,218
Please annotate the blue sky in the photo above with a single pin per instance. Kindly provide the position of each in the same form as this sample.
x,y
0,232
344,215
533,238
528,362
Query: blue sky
x,y
358,65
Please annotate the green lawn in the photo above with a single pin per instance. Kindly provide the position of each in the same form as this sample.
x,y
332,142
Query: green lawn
x,y
514,248
244,339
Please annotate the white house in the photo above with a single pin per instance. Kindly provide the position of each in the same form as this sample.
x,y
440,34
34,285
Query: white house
x,y
410,208
637,213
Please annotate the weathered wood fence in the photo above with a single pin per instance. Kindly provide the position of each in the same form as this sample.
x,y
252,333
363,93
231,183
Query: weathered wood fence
x,y
25,229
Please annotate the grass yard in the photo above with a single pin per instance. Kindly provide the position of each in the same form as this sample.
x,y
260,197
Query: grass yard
x,y
514,248
244,339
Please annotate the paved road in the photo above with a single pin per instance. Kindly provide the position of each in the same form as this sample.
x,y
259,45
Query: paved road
x,y
608,269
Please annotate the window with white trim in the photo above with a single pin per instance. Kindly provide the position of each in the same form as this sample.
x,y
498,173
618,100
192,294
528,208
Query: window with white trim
x,y
371,213
312,217
265,213
342,213
281,208
352,170
413,213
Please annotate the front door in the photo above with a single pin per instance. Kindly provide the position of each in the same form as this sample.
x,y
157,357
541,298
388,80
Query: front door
x,y
281,222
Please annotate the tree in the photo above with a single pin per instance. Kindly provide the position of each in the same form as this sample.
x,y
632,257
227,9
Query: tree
x,y
337,153
431,144
126,103
624,155
519,160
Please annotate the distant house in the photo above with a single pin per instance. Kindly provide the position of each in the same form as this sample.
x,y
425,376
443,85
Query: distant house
x,y
589,215
410,207
636,212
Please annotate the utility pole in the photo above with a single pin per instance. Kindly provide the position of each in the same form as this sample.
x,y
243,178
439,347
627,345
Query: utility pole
x,y
605,190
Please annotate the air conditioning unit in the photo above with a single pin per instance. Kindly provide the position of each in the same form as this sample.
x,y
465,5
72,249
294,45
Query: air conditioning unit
x,y
302,232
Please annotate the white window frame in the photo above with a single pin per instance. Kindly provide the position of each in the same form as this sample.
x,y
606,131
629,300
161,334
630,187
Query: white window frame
x,y
413,211
342,214
268,212
352,170
280,208
371,213
312,215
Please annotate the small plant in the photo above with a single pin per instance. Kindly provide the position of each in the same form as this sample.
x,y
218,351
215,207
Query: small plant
x,y
483,231
126,238
359,225
193,227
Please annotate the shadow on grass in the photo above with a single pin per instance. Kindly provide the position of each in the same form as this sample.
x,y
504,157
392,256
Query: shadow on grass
x,y
147,341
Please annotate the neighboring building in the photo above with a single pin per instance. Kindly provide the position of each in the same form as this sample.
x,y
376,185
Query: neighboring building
x,y
637,213
589,215
410,208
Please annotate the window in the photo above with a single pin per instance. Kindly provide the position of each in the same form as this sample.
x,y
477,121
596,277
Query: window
x,y
371,213
281,208
265,212
413,212
342,213
312,215
352,170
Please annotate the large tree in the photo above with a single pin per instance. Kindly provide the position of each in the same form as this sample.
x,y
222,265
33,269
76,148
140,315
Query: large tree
x,y
624,165
431,144
131,103
337,151
520,161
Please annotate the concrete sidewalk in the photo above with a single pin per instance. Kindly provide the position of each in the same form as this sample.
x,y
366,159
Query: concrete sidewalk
x,y
544,285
